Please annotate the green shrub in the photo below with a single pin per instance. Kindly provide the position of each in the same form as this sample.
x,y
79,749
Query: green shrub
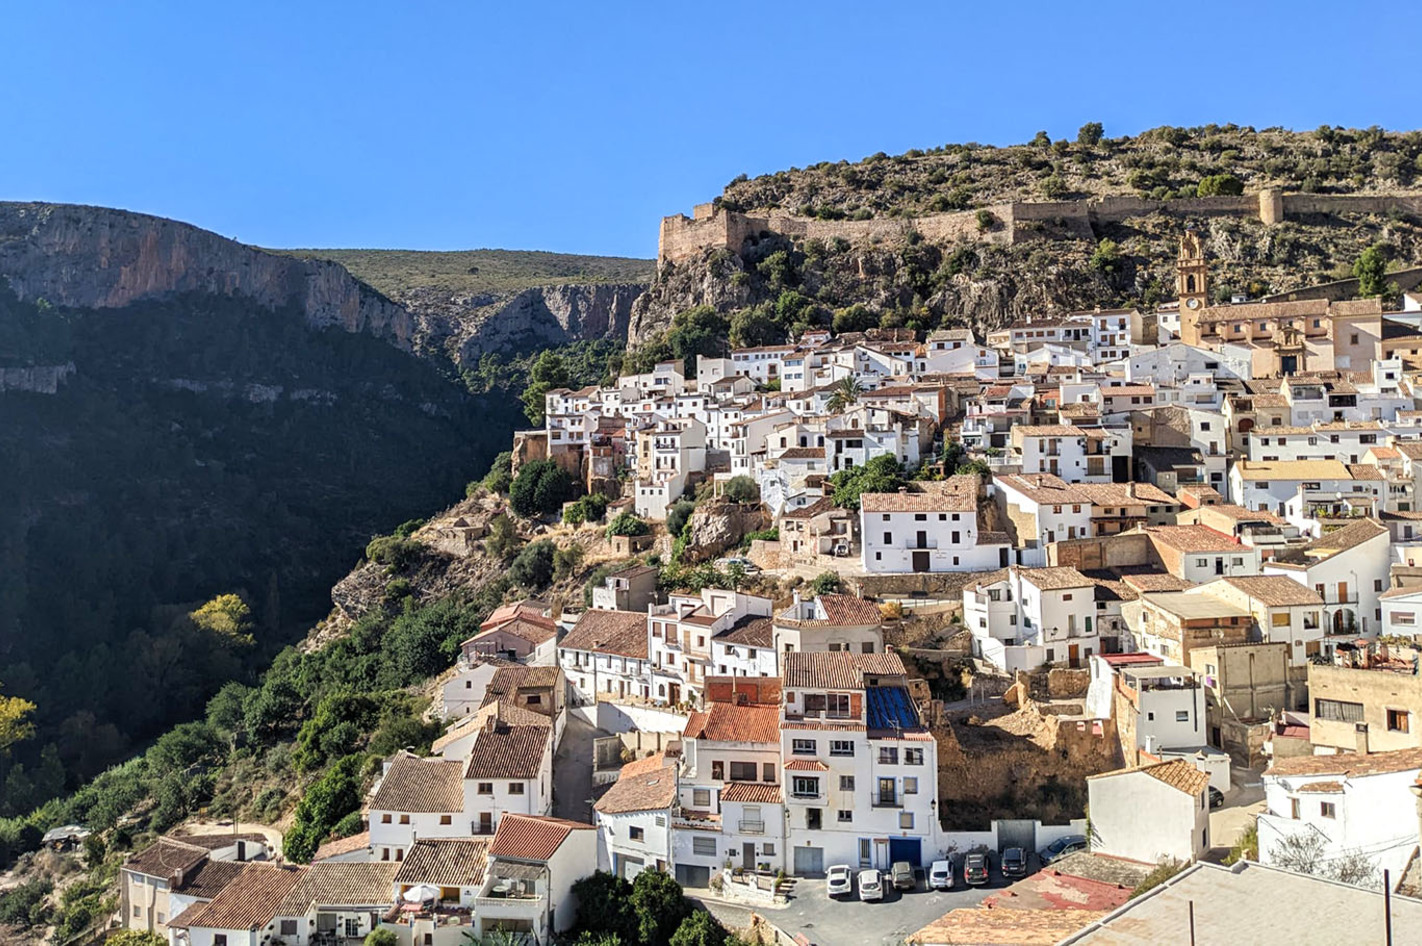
x,y
503,541
741,489
826,583
1220,185
627,523
500,475
533,567
381,937
678,514
1162,872
329,800
986,220
566,561
541,487
1090,134
392,550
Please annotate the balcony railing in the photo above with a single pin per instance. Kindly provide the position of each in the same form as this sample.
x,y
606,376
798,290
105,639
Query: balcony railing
x,y
888,801
750,827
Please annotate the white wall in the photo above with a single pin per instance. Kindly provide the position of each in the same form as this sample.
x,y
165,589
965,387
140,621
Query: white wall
x,y
1140,818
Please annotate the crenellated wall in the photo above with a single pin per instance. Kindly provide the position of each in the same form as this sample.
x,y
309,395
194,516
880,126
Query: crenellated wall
x,y
712,227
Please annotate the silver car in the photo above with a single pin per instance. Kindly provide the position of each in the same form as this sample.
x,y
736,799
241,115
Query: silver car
x,y
940,874
871,885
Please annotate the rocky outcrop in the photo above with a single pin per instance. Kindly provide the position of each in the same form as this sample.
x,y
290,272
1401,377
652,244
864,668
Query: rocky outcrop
x,y
709,279
546,316
716,527
96,257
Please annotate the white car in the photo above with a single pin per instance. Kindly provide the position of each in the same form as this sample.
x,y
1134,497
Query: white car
x,y
940,875
745,563
839,882
871,885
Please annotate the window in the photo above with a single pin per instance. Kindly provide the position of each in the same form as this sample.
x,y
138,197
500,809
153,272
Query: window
x,y
841,747
888,755
385,818
706,847
888,538
846,783
767,772
404,819
219,939
920,517
1066,597
1377,584
844,816
1294,808
802,746
837,704
804,786
1326,808
634,833
743,771
288,927
1202,563
1338,711
1404,617
1398,721
718,770
767,848
515,788
1281,619
911,785
906,820
701,797
535,700
486,788
1182,716
913,757
446,819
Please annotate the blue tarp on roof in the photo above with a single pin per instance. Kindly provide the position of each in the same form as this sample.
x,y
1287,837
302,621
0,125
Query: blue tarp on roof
x,y
890,708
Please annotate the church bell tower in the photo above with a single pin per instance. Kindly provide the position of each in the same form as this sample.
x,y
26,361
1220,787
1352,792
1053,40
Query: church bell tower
x,y
1191,276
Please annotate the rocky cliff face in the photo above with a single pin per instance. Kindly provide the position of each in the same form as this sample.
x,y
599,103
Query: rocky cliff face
x,y
466,327
95,257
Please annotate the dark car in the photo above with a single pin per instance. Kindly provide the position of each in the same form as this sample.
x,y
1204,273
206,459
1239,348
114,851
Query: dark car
x,y
1061,847
1216,797
975,870
1014,862
901,874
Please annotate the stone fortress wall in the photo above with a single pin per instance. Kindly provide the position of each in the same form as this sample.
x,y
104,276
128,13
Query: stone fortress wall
x,y
710,227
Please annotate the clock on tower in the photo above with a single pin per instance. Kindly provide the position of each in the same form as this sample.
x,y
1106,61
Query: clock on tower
x,y
1191,273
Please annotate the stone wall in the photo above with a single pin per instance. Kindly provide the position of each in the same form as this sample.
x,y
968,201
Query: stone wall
x,y
682,236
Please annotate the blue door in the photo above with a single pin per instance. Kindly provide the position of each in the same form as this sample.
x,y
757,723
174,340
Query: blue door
x,y
905,849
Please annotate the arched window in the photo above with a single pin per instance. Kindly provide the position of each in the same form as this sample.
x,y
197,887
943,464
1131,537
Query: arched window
x,y
1189,283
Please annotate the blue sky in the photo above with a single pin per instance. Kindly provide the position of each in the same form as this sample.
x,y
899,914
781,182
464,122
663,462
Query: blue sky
x,y
575,127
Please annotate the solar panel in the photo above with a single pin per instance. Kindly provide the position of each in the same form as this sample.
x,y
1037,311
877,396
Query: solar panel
x,y
890,708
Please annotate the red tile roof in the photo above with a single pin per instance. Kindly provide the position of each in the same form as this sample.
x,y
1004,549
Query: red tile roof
x,y
752,793
806,765
247,903
838,670
609,632
509,752
414,784
532,838
646,785
342,846
726,722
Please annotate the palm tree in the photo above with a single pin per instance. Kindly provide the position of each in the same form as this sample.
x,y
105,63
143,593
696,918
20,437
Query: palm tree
x,y
846,392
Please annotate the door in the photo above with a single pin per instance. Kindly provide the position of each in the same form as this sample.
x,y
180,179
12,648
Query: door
x,y
692,875
1073,655
1342,592
886,791
809,861
748,856
906,849
920,561
1120,469
922,542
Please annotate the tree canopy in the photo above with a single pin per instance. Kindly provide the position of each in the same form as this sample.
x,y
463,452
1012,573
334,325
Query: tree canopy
x,y
540,488
882,474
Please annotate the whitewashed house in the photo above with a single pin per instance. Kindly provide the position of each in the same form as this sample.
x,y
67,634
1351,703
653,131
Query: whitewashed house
x,y
1151,813
1022,618
829,622
634,818
930,528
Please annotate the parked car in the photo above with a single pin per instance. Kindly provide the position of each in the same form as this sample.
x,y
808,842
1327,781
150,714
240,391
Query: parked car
x,y
1216,797
1061,847
839,882
940,874
975,870
871,885
745,564
1014,862
902,875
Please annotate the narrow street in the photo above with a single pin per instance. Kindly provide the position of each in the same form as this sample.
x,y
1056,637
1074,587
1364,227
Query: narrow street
x,y
572,771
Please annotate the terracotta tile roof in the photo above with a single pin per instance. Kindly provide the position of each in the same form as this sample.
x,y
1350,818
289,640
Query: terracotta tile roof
x,y
1041,487
507,681
958,493
804,453
165,857
1341,540
806,765
532,838
1412,449
1177,773
752,793
1115,494
247,903
1349,764
529,609
342,846
211,842
1364,471
1054,579
726,722
1155,581
414,784
366,884
1322,788
509,752
849,611
505,711
1049,430
533,632
609,632
1385,453
646,785
1275,590
839,670
1193,539
821,505
445,862
1250,470
998,927
210,878
1240,514
750,632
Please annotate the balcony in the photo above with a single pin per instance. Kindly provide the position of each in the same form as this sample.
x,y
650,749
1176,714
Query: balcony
x,y
888,801
750,827
921,544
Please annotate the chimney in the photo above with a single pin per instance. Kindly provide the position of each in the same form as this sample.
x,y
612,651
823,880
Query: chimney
x,y
903,490
1131,491
1361,730
491,722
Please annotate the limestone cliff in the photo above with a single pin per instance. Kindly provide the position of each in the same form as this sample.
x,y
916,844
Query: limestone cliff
x,y
96,257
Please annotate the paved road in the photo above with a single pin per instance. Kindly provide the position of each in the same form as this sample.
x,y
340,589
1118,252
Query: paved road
x,y
572,771
827,922
1242,803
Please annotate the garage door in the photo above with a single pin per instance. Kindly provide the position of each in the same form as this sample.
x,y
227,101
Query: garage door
x,y
809,861
906,849
631,866
690,875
